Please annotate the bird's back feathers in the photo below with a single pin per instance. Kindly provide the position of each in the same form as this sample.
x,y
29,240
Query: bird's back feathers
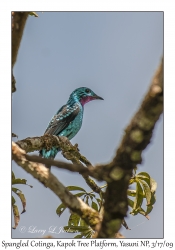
x,y
62,119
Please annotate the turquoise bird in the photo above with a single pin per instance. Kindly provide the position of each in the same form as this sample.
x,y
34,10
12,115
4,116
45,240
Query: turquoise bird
x,y
68,119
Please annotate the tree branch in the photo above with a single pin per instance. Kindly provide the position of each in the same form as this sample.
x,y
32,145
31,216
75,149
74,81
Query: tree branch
x,y
136,138
48,141
41,173
69,151
13,83
60,164
91,183
18,24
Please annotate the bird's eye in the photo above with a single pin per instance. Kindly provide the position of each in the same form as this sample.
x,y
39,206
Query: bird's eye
x,y
87,91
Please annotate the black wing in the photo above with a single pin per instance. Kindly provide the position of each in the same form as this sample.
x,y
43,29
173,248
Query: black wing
x,y
62,119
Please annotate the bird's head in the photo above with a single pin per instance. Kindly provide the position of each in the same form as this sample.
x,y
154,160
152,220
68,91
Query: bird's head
x,y
84,95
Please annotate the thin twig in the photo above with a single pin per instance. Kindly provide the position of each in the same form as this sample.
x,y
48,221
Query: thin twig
x,y
61,164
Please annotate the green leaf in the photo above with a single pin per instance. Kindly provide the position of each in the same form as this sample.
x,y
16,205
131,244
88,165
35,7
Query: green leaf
x,y
125,224
132,180
153,199
78,236
139,196
75,229
22,198
74,219
13,176
73,188
15,190
131,192
94,206
98,200
99,203
60,209
130,203
145,177
20,181
23,201
88,235
33,14
150,207
82,222
80,194
13,201
16,215
87,199
69,229
146,190
92,196
153,184
140,211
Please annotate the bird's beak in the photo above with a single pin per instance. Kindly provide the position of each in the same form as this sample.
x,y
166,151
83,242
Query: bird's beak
x,y
98,97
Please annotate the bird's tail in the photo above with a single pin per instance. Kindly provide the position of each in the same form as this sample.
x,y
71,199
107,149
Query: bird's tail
x,y
48,154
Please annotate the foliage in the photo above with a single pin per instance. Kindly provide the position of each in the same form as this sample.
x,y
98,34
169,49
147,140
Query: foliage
x,y
21,196
75,223
144,191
